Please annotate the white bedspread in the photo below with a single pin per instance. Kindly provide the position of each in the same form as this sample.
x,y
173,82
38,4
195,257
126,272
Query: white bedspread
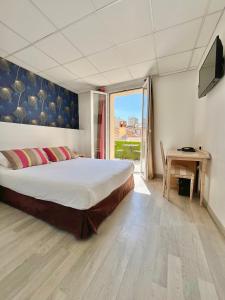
x,y
79,183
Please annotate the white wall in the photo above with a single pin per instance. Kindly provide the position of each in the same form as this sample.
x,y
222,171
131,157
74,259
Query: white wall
x,y
174,100
85,121
21,135
210,133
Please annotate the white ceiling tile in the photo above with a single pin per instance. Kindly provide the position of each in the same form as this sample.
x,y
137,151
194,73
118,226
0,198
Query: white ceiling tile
x,y
208,28
3,53
118,75
138,50
21,63
107,60
101,3
143,69
25,19
89,35
96,80
10,41
59,48
191,68
48,77
216,5
127,19
75,91
62,13
60,74
66,86
35,58
87,88
126,85
172,12
174,63
196,57
80,85
81,68
177,39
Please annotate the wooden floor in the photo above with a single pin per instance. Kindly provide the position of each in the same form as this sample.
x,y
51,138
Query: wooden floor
x,y
148,248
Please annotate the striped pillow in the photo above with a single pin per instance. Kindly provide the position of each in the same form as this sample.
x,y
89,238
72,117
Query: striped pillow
x,y
23,158
59,153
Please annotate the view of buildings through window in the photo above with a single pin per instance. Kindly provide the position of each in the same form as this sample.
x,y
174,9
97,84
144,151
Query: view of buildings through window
x,y
128,126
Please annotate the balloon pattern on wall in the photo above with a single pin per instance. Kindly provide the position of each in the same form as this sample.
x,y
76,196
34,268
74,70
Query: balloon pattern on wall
x,y
27,98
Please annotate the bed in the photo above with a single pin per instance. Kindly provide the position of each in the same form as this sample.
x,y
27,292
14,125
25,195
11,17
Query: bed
x,y
74,195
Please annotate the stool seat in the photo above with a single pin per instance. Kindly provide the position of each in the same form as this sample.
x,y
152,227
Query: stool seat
x,y
182,172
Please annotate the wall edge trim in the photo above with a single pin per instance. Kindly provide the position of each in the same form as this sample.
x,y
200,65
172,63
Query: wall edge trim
x,y
214,217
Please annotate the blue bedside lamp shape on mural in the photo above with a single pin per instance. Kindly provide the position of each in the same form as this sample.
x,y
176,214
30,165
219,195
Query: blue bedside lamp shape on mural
x,y
27,98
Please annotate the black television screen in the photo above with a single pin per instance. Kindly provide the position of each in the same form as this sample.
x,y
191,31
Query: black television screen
x,y
212,68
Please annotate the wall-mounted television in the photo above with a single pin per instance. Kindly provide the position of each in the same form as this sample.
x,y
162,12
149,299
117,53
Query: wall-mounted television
x,y
212,69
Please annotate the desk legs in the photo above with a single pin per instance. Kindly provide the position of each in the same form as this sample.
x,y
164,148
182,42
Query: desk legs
x,y
168,176
202,180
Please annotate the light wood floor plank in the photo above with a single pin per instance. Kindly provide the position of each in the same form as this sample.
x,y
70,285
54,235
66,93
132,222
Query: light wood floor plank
x,y
40,247
214,245
82,273
104,286
54,278
207,290
148,248
174,279
57,295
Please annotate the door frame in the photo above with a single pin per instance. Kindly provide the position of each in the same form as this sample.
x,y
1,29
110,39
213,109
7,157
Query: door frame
x,y
144,173
92,123
110,128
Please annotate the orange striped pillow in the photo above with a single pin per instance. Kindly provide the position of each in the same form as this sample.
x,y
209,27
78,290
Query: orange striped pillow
x,y
23,158
59,153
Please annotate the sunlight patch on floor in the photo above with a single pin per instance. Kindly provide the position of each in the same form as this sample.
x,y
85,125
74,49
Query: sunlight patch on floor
x,y
140,186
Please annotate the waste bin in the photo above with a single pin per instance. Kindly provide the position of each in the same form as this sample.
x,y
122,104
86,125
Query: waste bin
x,y
184,187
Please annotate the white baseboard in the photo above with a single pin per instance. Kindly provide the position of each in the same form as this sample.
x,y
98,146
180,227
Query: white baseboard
x,y
214,218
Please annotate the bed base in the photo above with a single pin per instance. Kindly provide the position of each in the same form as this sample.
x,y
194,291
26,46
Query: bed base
x,y
81,223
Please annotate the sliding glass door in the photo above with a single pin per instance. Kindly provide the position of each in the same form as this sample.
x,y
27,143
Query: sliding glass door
x,y
99,125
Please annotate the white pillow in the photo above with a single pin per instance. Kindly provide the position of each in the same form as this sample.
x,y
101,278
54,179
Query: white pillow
x,y
4,161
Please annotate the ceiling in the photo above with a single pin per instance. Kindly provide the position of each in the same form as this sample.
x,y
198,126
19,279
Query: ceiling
x,y
83,44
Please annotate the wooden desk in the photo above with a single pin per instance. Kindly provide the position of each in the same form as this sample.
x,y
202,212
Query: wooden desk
x,y
200,156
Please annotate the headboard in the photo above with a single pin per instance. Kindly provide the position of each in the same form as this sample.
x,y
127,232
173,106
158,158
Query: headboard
x,y
14,135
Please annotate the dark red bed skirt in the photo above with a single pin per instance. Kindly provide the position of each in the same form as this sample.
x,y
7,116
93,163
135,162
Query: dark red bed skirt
x,y
81,223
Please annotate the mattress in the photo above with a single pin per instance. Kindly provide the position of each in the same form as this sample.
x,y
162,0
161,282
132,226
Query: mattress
x,y
79,183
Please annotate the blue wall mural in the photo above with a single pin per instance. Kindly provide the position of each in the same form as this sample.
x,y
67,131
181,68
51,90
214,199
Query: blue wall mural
x,y
27,98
